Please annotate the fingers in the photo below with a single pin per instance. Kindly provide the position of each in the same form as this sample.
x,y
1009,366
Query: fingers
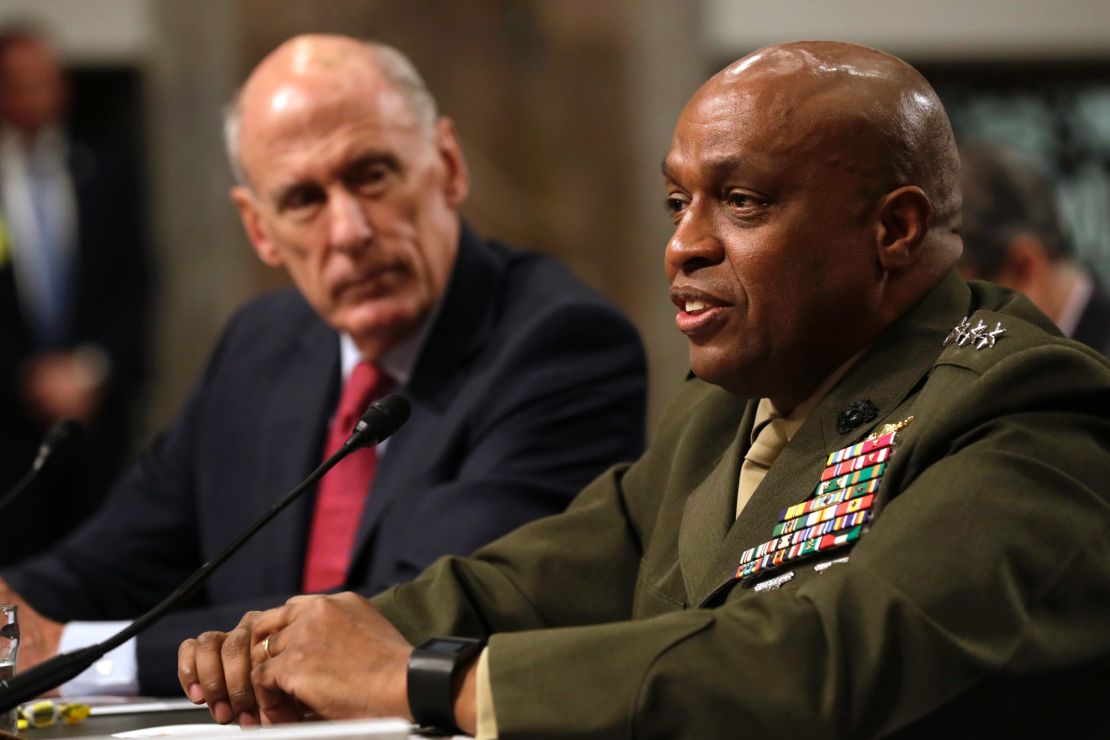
x,y
215,668
208,660
275,703
221,669
274,620
266,648
235,654
187,671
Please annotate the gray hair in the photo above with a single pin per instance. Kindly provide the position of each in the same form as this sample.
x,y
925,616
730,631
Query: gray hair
x,y
394,66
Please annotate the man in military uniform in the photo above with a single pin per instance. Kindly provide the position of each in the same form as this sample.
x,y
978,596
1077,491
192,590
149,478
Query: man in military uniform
x,y
879,502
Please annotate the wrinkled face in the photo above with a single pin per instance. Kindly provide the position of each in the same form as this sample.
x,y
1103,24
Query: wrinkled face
x,y
32,92
772,263
358,202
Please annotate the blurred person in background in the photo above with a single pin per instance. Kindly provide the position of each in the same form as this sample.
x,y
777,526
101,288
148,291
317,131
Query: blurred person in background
x,y
73,296
524,383
1014,235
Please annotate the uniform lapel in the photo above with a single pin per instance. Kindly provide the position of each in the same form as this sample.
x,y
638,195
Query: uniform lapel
x,y
710,510
886,374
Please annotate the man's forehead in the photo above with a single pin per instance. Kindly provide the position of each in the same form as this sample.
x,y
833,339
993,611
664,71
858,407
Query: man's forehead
x,y
295,114
784,106
725,127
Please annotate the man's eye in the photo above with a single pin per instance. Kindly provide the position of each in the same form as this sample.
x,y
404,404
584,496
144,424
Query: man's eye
x,y
741,200
674,205
369,179
300,199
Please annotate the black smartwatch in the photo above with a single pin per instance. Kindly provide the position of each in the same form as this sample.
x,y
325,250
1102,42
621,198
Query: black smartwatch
x,y
432,670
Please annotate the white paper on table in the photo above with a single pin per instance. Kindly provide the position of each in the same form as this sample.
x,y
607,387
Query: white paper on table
x,y
377,729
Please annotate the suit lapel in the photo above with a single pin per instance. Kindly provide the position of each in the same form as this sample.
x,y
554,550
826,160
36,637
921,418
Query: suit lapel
x,y
462,325
291,443
886,374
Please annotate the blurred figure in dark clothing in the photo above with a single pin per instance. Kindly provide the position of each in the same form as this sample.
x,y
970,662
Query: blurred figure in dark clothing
x,y
1014,236
73,296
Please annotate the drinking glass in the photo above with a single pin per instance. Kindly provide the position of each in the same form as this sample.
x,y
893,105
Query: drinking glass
x,y
9,651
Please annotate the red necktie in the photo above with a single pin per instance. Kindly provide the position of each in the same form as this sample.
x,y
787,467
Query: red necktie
x,y
342,493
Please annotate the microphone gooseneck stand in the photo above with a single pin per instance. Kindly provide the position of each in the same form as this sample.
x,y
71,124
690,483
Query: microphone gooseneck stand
x,y
59,441
377,423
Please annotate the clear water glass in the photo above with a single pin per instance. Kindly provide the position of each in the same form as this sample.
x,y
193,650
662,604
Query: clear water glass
x,y
9,651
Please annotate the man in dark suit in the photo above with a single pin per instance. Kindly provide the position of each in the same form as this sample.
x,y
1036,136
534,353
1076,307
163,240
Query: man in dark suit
x,y
73,296
1014,235
524,383
879,506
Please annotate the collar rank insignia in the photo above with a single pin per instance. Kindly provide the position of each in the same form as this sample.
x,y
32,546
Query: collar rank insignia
x,y
834,515
888,428
964,333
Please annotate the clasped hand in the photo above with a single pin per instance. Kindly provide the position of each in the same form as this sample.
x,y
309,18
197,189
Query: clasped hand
x,y
333,656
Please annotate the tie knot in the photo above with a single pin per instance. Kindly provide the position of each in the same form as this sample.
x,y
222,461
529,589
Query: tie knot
x,y
768,439
367,383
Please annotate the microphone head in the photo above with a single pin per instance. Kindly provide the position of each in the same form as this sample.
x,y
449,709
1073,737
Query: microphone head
x,y
63,432
63,435
381,420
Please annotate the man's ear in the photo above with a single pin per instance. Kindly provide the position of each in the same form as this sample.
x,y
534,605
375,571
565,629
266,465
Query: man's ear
x,y
905,215
456,176
244,200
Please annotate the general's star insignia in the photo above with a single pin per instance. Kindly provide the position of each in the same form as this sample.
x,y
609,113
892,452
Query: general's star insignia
x,y
964,334
989,338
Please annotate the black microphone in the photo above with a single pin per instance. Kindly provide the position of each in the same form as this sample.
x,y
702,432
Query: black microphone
x,y
379,421
60,440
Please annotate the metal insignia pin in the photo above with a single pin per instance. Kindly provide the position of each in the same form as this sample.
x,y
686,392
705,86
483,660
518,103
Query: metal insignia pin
x,y
888,428
989,338
822,567
773,583
957,331
857,413
964,334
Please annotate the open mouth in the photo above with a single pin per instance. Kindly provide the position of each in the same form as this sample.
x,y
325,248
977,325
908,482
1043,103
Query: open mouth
x,y
696,306
698,312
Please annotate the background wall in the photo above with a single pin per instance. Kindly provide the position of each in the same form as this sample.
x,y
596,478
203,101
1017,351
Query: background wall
x,y
565,110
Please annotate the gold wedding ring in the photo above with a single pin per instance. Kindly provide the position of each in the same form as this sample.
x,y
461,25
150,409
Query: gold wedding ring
x,y
266,646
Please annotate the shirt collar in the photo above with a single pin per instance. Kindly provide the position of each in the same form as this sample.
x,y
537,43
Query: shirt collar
x,y
399,361
1076,303
48,145
792,422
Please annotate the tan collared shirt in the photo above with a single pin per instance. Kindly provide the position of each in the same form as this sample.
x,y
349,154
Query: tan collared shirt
x,y
773,430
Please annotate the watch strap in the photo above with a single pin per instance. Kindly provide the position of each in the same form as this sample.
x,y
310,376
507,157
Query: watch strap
x,y
431,675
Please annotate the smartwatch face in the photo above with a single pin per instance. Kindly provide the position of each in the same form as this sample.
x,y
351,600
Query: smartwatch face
x,y
445,646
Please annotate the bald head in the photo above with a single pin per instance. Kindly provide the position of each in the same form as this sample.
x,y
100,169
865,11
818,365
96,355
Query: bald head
x,y
877,110
314,71
815,193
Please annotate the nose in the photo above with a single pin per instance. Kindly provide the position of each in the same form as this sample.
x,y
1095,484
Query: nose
x,y
695,242
349,226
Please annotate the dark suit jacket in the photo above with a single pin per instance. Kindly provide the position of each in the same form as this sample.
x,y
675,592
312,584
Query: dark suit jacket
x,y
528,386
976,599
109,310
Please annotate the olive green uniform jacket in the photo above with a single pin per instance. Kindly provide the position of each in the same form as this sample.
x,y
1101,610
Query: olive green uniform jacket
x,y
978,595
